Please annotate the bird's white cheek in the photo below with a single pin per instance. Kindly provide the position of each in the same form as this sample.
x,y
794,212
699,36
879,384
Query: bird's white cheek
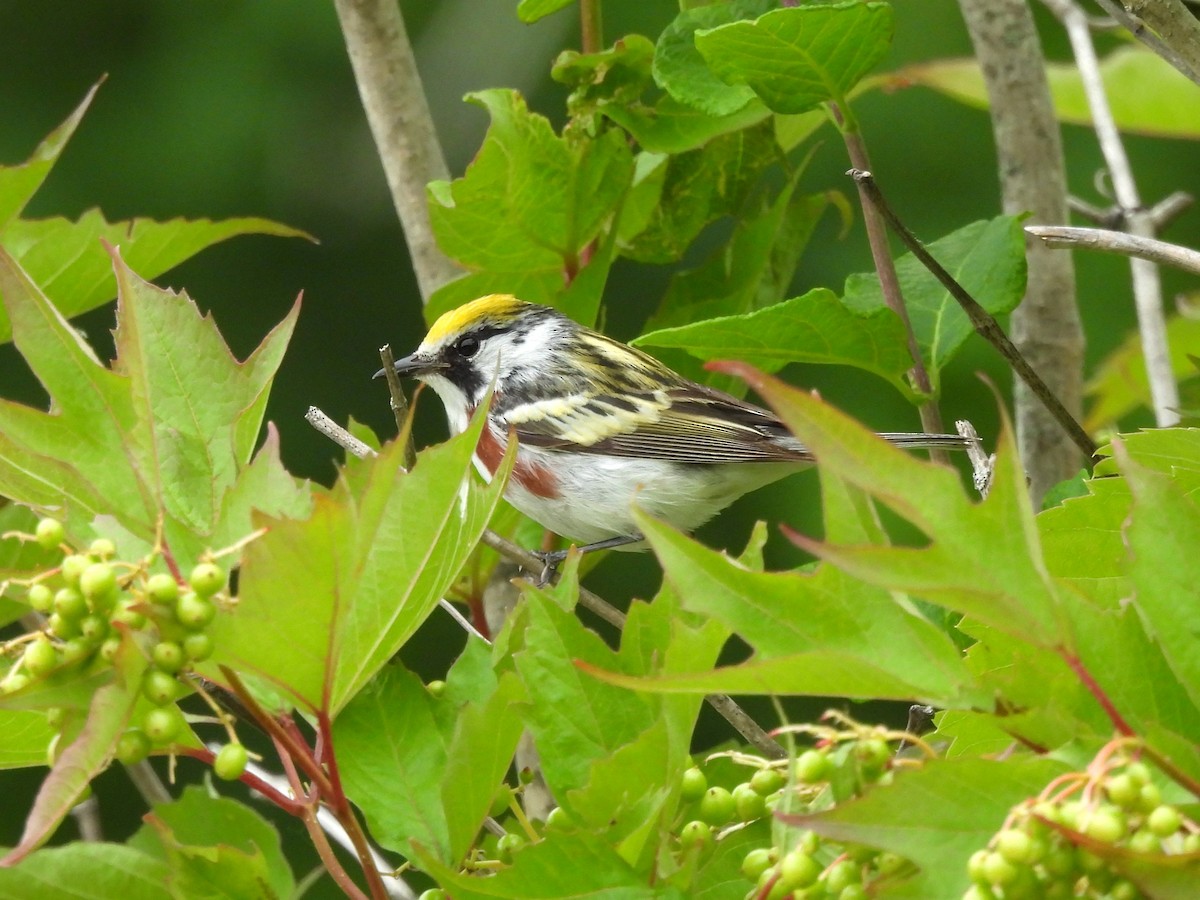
x,y
457,411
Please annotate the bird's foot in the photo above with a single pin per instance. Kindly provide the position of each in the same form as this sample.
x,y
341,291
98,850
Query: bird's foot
x,y
552,559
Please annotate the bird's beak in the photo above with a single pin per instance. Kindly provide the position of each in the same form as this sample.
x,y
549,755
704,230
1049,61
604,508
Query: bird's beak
x,y
415,364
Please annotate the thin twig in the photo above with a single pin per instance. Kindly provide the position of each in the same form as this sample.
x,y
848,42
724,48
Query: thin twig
x,y
1177,27
982,464
398,113
1147,285
86,814
1148,38
981,319
885,268
399,403
1119,242
337,434
591,26
147,783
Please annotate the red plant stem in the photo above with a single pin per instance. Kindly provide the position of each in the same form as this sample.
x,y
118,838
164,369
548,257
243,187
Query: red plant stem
x,y
330,860
1086,679
252,781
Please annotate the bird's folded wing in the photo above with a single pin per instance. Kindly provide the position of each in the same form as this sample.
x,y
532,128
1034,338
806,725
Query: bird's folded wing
x,y
689,424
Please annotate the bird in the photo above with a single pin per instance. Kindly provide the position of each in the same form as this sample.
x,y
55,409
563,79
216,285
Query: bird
x,y
601,425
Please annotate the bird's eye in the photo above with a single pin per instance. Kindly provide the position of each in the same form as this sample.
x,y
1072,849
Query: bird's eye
x,y
467,347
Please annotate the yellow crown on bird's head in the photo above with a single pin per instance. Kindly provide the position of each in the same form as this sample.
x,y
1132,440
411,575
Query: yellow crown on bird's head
x,y
499,308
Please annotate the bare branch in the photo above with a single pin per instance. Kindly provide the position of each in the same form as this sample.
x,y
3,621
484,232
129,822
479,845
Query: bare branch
x,y
1178,28
1149,39
398,113
1147,286
1069,237
1045,327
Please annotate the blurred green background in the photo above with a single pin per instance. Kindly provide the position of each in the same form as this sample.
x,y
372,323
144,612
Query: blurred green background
x,y
248,107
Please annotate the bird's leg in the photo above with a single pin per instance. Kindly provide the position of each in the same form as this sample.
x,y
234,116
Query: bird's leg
x,y
552,559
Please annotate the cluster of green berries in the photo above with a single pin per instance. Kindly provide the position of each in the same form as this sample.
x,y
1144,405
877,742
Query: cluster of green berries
x,y
1043,850
799,864
91,602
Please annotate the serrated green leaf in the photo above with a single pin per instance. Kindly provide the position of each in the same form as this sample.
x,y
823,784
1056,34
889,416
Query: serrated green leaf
x,y
682,72
815,328
983,558
1163,536
87,871
68,260
18,184
962,803
796,58
1146,94
216,847
1119,384
603,718
529,11
532,201
852,640
987,258
150,438
358,576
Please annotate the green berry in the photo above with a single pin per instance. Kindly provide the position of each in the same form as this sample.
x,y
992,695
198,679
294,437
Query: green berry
x,y
1016,846
158,687
717,806
198,646
975,869
434,894
1059,860
436,688
695,834
94,628
62,627
70,604
557,818
40,598
110,648
692,785
1164,821
1122,790
40,657
98,581
162,588
132,747
1089,862
102,548
873,755
842,875
206,579
508,844
162,724
73,567
809,842
767,781
813,766
749,804
194,612
798,869
127,614
1144,841
56,716
854,892
49,533
1139,772
998,870
1149,797
230,762
756,862
890,863
1191,843
1105,824
1124,890
168,656
77,650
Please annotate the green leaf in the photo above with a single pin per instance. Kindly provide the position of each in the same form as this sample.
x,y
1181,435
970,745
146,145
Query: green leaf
x,y
26,738
796,58
87,871
852,641
699,187
359,575
1163,536
1119,385
561,866
673,127
987,258
216,847
1146,94
962,803
18,184
815,328
982,558
150,437
70,263
529,11
603,718
531,202
682,72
